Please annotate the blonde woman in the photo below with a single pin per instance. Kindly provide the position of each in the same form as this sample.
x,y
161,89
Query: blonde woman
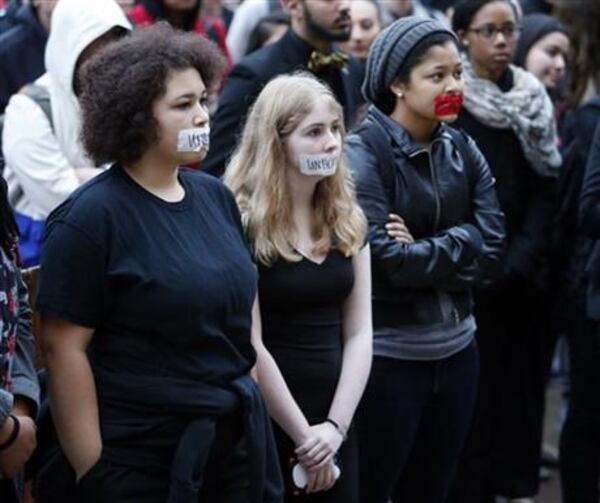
x,y
312,325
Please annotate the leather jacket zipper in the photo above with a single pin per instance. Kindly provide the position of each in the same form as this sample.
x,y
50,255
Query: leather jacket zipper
x,y
456,316
438,211
436,189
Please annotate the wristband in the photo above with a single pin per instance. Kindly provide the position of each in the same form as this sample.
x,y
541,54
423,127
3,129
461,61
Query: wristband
x,y
339,429
13,435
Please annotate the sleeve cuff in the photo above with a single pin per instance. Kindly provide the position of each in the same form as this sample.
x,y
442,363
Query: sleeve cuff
x,y
475,237
6,403
28,389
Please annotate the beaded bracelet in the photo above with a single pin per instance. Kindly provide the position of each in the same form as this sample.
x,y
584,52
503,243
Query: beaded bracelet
x,y
13,435
337,427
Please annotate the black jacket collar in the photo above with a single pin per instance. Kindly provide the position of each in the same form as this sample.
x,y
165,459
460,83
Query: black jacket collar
x,y
400,136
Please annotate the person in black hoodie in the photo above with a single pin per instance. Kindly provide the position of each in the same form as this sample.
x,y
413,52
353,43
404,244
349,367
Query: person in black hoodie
x,y
435,230
8,9
509,114
580,438
580,453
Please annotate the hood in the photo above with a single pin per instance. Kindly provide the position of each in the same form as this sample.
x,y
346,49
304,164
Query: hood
x,y
75,24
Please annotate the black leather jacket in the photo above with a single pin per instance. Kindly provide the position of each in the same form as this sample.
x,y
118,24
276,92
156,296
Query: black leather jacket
x,y
451,211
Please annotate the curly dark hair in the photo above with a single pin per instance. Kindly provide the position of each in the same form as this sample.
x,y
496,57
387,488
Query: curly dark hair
x,y
120,84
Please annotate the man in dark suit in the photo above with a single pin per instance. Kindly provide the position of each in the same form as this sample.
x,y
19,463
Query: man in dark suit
x,y
315,26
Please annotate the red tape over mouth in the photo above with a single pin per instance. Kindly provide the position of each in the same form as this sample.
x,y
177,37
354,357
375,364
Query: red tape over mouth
x,y
447,104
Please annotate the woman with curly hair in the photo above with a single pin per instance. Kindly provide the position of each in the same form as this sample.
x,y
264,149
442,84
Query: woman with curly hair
x,y
146,293
312,318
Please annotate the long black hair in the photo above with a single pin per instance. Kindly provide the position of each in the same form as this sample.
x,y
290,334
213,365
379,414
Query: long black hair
x,y
581,17
9,232
157,10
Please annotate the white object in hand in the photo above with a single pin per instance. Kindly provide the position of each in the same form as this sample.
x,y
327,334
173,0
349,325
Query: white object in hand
x,y
300,477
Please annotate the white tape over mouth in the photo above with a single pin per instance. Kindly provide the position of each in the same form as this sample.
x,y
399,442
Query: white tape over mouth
x,y
193,139
319,164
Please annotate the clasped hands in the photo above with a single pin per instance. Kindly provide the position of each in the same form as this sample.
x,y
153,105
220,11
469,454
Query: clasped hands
x,y
316,454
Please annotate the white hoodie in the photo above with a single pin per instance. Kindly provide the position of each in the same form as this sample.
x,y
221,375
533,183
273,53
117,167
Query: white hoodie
x,y
41,160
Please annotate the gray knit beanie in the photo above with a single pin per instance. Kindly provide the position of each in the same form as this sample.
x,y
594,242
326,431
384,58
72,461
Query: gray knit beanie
x,y
389,52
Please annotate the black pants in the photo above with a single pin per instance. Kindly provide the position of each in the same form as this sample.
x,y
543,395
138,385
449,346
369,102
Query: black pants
x,y
580,439
225,476
502,452
412,423
7,492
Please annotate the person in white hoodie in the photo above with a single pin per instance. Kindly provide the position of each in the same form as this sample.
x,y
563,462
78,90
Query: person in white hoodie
x,y
44,158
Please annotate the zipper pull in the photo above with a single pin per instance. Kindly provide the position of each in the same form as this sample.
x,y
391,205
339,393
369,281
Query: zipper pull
x,y
456,316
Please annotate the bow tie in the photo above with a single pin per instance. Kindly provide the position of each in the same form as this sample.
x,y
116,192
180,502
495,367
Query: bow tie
x,y
319,61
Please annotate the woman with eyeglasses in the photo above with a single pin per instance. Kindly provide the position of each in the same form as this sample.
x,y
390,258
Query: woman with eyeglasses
x,y
509,114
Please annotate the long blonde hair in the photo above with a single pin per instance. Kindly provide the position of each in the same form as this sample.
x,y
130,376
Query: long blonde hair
x,y
257,177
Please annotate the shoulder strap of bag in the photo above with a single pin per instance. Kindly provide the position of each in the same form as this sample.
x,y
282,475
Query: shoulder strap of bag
x,y
41,96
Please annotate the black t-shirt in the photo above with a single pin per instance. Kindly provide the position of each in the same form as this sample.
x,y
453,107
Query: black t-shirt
x,y
168,286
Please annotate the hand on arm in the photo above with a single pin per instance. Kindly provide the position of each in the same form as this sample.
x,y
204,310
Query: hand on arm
x,y
323,443
72,391
322,479
397,229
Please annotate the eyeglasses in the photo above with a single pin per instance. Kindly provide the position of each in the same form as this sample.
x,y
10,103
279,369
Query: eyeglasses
x,y
490,31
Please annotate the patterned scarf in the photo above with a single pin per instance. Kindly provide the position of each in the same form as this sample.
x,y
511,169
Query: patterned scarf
x,y
9,310
526,109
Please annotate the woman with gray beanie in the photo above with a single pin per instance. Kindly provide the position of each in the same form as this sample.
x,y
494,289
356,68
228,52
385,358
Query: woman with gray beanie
x,y
435,230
